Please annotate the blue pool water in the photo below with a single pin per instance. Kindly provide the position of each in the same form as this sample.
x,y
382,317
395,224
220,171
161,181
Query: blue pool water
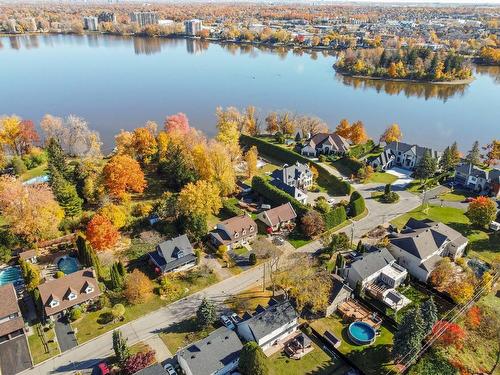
x,y
68,265
11,275
361,333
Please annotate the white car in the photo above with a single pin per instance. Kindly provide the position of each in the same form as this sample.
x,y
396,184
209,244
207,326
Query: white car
x,y
170,369
331,201
235,318
279,240
495,226
227,322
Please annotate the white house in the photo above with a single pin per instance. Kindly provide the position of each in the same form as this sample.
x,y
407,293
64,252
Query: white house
x,y
423,243
268,327
404,155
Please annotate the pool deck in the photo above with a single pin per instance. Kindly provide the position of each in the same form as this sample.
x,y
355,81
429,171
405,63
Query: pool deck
x,y
351,309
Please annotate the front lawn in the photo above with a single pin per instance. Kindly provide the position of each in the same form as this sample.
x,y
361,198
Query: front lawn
x,y
317,362
181,334
39,351
372,359
483,245
248,300
297,239
381,177
456,196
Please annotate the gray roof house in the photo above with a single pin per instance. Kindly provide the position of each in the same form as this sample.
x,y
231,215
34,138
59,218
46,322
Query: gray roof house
x,y
269,326
477,179
176,254
216,354
294,180
423,243
325,143
340,293
155,369
404,155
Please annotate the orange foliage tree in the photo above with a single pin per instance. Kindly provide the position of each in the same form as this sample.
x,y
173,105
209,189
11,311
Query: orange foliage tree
x,y
138,287
343,129
358,133
101,233
474,317
392,134
481,211
122,174
453,334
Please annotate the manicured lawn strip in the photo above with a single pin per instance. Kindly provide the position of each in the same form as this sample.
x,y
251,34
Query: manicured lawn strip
x,y
93,324
37,348
481,244
455,196
183,333
346,166
139,347
35,172
249,299
297,239
372,359
382,177
317,362
240,251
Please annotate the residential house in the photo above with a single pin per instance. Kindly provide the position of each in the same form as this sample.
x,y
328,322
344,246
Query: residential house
x,y
403,155
340,293
234,232
216,354
28,256
269,326
11,320
294,180
174,255
59,295
472,177
279,217
423,243
155,369
325,144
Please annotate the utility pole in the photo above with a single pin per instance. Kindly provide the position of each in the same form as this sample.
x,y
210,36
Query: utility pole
x,y
352,234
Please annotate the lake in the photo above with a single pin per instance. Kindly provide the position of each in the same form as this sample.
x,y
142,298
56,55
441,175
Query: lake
x,y
121,82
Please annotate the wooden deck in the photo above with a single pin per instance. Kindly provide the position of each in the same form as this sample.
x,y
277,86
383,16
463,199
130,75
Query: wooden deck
x,y
353,311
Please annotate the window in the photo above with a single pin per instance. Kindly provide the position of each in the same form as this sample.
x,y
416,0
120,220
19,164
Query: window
x,y
54,303
89,289
251,228
71,296
236,234
244,232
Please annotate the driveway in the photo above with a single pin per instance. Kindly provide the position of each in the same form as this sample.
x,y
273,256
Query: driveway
x,y
403,176
14,356
65,335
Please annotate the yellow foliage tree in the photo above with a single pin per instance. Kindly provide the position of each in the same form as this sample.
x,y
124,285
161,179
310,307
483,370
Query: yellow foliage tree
x,y
138,288
114,213
358,133
228,123
200,198
251,159
224,177
343,129
392,134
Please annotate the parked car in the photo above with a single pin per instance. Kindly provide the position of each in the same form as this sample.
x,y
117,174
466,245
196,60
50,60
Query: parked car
x,y
494,226
468,199
103,369
331,201
278,240
170,369
227,322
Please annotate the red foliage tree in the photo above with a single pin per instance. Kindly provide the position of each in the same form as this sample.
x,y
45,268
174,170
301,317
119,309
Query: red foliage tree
x,y
138,361
178,122
101,233
474,317
453,334
28,136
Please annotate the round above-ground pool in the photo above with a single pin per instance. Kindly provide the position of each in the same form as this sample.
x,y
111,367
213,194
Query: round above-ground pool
x,y
11,275
68,264
361,333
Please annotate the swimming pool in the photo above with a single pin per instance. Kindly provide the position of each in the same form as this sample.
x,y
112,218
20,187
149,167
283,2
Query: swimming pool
x,y
11,275
361,333
68,264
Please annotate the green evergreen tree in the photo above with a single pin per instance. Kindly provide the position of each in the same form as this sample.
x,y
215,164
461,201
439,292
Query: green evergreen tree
x,y
121,268
408,338
429,315
68,199
360,248
474,155
56,156
446,162
116,279
426,167
387,189
82,247
253,360
195,226
120,346
206,314
31,275
455,155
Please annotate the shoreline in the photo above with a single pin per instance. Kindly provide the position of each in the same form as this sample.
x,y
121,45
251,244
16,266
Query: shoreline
x,y
458,82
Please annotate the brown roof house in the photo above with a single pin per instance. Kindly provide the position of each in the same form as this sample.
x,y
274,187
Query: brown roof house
x,y
279,217
61,294
234,232
325,143
11,320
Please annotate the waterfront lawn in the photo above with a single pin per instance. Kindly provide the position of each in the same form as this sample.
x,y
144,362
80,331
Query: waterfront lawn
x,y
483,245
35,172
37,349
382,177
317,362
183,333
371,359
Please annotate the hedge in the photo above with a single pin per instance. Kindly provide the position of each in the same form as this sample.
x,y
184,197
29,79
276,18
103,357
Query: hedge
x,y
334,217
230,208
325,178
356,204
276,196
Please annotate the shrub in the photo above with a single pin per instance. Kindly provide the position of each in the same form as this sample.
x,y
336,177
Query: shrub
x,y
59,274
252,259
391,197
230,208
75,313
18,165
334,217
356,204
142,209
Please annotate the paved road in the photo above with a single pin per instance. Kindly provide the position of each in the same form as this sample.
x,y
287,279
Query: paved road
x,y
87,355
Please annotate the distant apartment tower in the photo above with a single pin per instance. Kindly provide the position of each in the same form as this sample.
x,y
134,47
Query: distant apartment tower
x,y
106,17
193,26
90,23
144,18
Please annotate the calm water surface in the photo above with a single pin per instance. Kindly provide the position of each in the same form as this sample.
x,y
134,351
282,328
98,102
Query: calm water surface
x,y
119,83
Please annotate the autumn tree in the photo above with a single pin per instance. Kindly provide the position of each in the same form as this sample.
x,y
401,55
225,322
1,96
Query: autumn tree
x,y
358,135
117,215
441,273
461,291
101,233
473,317
144,143
392,134
138,287
309,125
251,123
223,175
122,175
344,129
31,275
228,122
455,154
177,123
481,211
312,223
251,160
272,123
139,361
201,198
30,210
124,142
451,333
474,155
492,155
19,136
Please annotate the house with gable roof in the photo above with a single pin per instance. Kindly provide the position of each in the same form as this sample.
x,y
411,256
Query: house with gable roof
x,y
294,180
234,232
174,255
403,155
278,217
480,180
325,144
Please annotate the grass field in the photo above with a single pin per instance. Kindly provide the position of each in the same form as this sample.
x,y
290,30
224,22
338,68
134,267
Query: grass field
x,y
35,172
482,244
372,359
37,348
383,178
183,333
248,300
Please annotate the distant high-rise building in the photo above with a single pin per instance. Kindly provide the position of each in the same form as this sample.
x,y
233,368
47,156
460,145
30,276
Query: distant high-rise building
x,y
193,26
144,18
90,23
106,17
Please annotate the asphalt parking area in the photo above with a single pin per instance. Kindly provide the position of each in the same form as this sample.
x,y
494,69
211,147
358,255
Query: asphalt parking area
x,y
65,335
14,356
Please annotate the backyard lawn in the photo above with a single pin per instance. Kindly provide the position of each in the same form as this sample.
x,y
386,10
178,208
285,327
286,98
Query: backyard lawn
x,y
35,172
382,177
182,334
371,359
38,351
483,245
